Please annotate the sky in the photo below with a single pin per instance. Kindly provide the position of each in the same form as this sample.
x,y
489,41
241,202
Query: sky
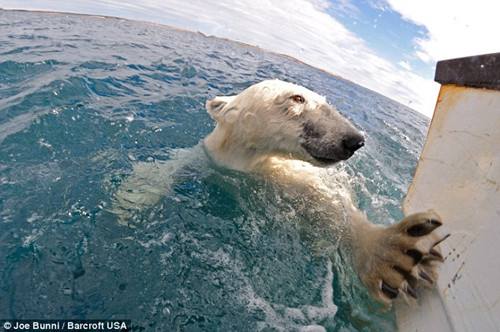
x,y
389,46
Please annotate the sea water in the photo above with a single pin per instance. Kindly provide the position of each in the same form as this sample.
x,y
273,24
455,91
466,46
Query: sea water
x,y
85,99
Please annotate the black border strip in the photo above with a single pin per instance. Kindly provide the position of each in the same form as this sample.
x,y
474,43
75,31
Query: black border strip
x,y
480,71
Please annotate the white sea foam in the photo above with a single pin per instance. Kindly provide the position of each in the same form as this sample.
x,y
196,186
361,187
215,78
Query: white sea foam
x,y
277,316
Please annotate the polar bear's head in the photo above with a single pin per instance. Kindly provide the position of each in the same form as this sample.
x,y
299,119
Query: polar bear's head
x,y
280,118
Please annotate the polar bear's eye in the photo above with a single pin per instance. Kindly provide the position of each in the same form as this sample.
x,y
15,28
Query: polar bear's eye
x,y
298,99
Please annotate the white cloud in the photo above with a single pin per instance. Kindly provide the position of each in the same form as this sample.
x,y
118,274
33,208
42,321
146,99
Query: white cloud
x,y
300,28
345,8
405,64
456,28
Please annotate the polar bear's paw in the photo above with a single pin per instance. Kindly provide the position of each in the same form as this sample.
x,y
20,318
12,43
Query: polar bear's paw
x,y
396,260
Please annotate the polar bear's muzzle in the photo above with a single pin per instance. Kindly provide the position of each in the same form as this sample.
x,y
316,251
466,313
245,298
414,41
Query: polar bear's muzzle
x,y
331,140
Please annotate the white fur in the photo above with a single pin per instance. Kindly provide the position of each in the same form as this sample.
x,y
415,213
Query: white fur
x,y
251,129
253,134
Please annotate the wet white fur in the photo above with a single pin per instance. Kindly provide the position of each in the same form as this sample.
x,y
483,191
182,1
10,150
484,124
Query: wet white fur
x,y
254,134
252,127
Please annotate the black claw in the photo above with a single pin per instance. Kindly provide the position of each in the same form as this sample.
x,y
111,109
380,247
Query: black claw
x,y
426,277
410,290
403,272
389,291
415,254
436,222
436,255
444,238
412,281
423,228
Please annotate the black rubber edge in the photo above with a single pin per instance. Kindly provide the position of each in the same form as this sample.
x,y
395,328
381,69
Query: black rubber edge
x,y
480,71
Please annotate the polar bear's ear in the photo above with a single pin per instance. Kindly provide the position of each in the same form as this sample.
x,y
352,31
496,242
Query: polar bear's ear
x,y
215,106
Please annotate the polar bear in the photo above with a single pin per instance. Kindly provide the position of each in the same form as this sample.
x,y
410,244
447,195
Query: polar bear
x,y
283,130
290,134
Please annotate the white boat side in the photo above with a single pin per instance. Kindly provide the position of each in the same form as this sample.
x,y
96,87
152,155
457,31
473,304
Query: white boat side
x,y
458,175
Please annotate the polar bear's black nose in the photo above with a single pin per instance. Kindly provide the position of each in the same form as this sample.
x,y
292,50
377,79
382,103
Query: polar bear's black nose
x,y
352,143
